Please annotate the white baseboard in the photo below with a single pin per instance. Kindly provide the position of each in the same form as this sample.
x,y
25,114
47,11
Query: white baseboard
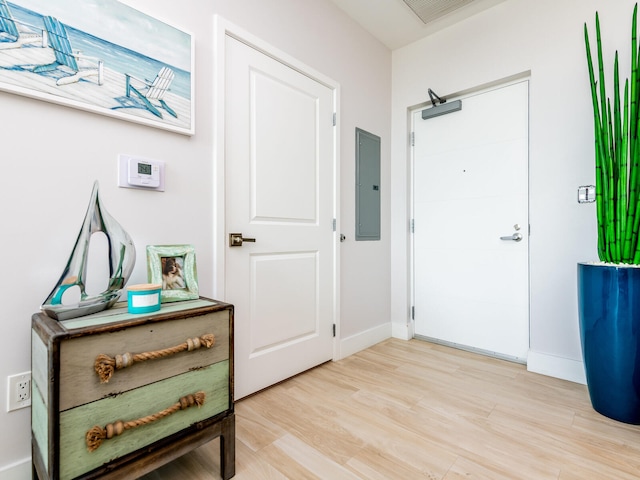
x,y
363,340
17,471
537,362
559,367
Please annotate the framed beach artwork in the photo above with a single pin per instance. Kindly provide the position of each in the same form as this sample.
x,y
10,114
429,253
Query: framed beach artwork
x,y
102,56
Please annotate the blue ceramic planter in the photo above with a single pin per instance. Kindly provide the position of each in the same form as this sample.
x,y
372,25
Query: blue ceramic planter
x,y
609,310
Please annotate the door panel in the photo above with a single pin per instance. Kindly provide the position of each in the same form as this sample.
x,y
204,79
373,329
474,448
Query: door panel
x,y
471,188
284,159
279,190
271,325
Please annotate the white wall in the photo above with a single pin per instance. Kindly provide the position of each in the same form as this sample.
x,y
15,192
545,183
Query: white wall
x,y
544,38
51,155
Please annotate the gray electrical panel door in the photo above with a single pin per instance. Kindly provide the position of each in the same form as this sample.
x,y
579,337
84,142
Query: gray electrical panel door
x,y
367,186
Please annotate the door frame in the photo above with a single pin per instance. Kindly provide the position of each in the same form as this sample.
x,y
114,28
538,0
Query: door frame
x,y
504,82
222,29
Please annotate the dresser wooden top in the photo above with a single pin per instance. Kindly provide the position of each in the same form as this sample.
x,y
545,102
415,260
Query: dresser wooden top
x,y
119,314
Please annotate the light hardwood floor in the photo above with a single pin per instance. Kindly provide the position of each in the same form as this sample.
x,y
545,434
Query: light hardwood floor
x,y
416,410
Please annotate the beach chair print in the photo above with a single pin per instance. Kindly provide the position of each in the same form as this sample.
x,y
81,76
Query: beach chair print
x,y
66,59
153,91
15,34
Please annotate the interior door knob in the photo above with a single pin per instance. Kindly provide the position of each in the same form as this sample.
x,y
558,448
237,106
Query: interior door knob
x,y
236,239
516,237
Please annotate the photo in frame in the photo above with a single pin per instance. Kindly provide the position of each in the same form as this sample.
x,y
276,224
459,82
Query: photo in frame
x,y
101,56
173,267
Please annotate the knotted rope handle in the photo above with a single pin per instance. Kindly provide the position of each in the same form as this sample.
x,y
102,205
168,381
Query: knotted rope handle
x,y
105,365
97,434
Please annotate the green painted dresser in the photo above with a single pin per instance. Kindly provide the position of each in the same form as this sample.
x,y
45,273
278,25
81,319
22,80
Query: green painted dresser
x,y
116,395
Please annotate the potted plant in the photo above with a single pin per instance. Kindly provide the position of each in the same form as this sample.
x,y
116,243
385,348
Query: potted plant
x,y
609,291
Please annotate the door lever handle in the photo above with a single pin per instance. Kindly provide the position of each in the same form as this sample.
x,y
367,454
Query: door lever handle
x,y
236,239
516,237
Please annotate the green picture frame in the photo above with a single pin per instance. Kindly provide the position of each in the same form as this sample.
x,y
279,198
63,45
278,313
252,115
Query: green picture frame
x,y
173,267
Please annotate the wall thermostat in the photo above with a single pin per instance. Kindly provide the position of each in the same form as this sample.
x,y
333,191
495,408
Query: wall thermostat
x,y
138,172
144,173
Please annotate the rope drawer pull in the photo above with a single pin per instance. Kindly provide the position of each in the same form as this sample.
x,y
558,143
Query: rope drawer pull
x,y
97,434
105,365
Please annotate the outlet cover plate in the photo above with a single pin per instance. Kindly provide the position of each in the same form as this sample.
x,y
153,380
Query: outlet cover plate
x,y
18,391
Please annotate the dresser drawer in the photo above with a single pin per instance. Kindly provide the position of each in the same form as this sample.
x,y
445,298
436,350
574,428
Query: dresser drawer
x,y
75,458
80,384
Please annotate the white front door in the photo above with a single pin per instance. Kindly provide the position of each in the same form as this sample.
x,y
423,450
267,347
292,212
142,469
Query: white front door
x,y
280,190
471,286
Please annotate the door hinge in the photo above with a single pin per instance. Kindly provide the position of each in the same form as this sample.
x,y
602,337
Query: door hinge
x,y
334,329
412,226
334,223
413,312
413,139
335,119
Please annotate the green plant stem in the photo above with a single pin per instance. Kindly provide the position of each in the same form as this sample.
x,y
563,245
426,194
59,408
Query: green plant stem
x,y
617,152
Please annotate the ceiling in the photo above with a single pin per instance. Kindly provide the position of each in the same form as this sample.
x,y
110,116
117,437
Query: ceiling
x,y
395,24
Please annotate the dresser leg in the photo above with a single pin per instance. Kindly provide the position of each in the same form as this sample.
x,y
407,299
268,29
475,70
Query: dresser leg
x,y
228,447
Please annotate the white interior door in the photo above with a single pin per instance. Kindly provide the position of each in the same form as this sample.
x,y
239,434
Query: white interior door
x,y
279,184
471,287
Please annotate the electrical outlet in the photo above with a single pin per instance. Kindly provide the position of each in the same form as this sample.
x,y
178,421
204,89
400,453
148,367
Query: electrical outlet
x,y
18,391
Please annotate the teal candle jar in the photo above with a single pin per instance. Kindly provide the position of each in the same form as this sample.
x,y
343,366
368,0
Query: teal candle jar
x,y
143,298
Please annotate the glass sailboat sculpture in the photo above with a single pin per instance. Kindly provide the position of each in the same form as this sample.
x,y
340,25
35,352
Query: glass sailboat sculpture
x,y
122,257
